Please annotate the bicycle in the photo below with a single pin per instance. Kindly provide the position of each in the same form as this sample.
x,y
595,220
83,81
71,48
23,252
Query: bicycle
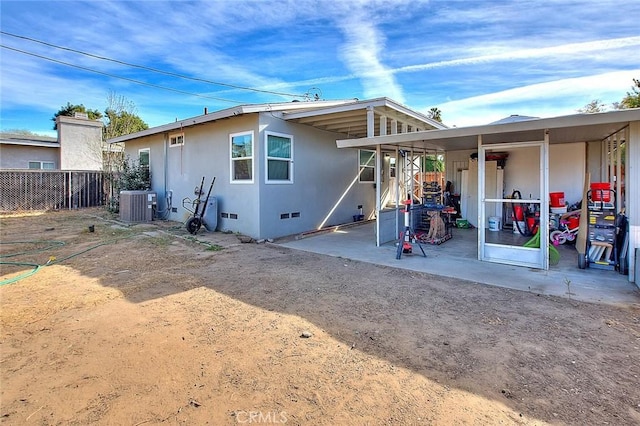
x,y
563,234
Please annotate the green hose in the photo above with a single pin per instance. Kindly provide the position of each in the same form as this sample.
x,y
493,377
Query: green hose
x,y
52,261
51,244
24,275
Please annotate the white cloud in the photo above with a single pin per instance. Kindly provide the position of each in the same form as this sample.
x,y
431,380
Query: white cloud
x,y
362,51
554,98
564,50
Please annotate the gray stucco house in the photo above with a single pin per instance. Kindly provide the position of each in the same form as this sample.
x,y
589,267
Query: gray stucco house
x,y
277,167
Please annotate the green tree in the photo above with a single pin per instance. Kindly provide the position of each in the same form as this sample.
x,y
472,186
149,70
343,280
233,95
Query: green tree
x,y
595,105
433,163
435,114
69,110
121,117
632,100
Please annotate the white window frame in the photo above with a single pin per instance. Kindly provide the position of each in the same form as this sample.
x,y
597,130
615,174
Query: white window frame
x,y
393,167
267,158
176,139
41,165
251,157
148,151
360,166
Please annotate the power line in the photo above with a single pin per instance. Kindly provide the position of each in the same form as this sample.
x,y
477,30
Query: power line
x,y
143,83
172,74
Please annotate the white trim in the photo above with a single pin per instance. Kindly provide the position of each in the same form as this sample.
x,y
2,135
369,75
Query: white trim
x,y
360,166
267,158
509,254
148,150
252,158
41,164
176,137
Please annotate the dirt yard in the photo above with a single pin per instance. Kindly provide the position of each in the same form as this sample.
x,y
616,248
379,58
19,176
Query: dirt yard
x,y
144,325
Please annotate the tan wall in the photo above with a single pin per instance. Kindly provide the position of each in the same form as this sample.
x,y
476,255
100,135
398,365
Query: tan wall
x,y
80,143
18,156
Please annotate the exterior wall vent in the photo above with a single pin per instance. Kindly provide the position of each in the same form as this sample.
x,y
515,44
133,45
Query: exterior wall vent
x,y
137,206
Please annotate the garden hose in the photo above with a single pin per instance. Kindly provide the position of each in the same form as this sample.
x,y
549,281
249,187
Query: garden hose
x,y
52,260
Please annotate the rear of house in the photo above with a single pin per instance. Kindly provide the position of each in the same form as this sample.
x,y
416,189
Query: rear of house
x,y
278,170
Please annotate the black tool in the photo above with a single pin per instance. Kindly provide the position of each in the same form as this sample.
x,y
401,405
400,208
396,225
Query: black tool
x,y
194,223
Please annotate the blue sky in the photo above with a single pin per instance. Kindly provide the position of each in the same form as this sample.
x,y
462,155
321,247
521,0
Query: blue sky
x,y
478,61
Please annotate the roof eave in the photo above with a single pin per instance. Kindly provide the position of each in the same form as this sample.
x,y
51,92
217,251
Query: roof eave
x,y
226,113
612,117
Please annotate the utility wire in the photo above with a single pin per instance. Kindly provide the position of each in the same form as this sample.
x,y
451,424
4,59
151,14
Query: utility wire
x,y
119,77
186,77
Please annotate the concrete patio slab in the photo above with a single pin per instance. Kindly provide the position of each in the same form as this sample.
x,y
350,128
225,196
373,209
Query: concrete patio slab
x,y
457,258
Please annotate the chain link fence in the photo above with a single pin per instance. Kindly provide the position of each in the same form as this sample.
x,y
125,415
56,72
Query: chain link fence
x,y
53,189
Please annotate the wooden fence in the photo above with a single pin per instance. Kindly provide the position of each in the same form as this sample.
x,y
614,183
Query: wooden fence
x,y
53,189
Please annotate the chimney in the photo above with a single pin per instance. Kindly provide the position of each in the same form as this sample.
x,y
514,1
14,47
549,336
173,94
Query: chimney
x,y
205,111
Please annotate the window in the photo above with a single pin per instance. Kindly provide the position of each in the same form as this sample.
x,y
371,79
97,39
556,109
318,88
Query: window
x,y
176,139
279,152
144,160
367,166
392,167
45,165
241,157
143,157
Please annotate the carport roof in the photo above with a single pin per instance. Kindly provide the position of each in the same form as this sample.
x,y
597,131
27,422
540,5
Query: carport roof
x,y
565,129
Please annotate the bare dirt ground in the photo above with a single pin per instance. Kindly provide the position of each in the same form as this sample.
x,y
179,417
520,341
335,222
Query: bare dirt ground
x,y
143,325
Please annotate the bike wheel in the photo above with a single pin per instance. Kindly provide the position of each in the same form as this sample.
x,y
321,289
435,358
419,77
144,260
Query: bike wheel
x,y
557,237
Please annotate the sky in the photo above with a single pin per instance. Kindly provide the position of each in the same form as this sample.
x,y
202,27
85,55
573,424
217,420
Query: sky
x,y
476,60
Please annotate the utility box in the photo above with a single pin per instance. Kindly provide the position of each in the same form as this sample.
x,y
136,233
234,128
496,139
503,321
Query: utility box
x,y
210,218
137,206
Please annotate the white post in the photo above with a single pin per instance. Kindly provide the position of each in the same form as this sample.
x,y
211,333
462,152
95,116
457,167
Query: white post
x,y
370,122
481,195
383,125
378,192
543,226
633,190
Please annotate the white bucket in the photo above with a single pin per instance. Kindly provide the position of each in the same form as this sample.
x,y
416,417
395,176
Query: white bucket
x,y
494,223
522,227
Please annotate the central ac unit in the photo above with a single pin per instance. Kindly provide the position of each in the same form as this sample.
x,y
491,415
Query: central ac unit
x,y
137,206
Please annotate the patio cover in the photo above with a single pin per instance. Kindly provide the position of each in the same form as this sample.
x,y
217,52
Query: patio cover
x,y
566,129
594,127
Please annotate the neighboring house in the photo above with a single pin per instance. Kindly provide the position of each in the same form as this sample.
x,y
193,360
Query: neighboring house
x,y
29,152
77,147
277,167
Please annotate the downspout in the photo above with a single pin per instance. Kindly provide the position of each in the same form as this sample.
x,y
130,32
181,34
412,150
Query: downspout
x,y
166,178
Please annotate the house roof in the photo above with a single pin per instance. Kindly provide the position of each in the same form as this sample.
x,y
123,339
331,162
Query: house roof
x,y
341,116
514,118
28,140
565,129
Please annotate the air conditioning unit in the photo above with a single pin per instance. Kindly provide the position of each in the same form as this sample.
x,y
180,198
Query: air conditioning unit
x,y
137,206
